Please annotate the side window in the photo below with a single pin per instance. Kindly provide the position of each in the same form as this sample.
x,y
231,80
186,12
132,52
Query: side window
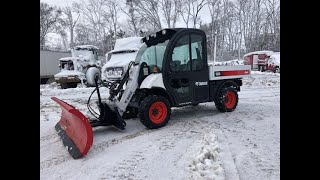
x,y
180,59
197,52
95,52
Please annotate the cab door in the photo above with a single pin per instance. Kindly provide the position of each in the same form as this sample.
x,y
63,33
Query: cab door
x,y
186,73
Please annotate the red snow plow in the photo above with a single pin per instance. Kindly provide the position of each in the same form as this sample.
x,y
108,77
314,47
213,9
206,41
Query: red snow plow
x,y
74,129
150,88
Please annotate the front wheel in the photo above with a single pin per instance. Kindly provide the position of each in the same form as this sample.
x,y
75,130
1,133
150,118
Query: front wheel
x,y
261,68
154,111
227,100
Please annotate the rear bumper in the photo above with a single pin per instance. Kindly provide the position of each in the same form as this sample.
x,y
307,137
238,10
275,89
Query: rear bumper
x,y
67,79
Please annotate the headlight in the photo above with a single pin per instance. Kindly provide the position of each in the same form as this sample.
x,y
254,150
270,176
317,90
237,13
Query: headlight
x,y
118,72
79,68
114,72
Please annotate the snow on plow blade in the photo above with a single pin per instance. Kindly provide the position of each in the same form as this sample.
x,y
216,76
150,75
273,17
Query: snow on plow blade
x,y
74,129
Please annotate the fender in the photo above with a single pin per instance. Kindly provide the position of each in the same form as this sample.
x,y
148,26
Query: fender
x,y
154,84
153,80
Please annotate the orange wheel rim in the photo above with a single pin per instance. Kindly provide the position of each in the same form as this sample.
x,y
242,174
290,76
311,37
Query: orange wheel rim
x,y
230,100
158,112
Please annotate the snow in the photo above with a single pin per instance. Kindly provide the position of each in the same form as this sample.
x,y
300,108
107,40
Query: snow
x,y
206,164
229,62
131,43
259,52
86,47
198,142
118,60
275,58
68,59
121,60
66,73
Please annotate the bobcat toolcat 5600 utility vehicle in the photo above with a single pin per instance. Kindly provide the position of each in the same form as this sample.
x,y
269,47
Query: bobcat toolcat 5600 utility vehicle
x,y
170,70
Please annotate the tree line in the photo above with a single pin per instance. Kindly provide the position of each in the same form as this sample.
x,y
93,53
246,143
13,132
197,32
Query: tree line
x,y
245,25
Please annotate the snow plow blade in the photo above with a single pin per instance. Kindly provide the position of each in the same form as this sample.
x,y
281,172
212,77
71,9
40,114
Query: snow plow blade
x,y
74,129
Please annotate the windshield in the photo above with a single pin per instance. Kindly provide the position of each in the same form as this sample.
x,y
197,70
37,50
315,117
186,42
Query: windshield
x,y
152,55
83,52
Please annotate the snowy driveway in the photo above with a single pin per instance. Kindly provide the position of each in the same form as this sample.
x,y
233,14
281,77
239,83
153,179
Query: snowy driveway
x,y
198,142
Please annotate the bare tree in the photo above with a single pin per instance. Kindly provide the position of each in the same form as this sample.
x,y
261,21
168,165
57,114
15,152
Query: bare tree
x,y
93,13
273,21
112,15
185,11
247,25
214,10
149,12
48,18
133,18
70,21
171,10
83,34
64,39
197,5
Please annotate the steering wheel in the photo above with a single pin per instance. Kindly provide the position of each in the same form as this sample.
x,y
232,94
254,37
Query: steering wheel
x,y
173,66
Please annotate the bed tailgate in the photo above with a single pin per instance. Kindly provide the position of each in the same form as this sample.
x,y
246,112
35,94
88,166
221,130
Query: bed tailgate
x,y
229,72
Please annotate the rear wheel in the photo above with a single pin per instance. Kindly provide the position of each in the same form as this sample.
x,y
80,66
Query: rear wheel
x,y
154,111
227,99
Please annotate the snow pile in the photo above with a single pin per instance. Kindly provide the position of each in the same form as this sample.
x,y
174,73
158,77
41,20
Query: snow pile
x,y
66,73
266,74
260,52
86,47
262,79
133,43
120,60
207,164
275,59
68,59
230,62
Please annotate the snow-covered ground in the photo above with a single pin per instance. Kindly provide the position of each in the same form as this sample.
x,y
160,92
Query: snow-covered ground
x,y
198,142
228,63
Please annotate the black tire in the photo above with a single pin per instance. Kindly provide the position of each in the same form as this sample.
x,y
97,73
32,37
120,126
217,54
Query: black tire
x,y
68,85
130,113
91,74
153,101
261,68
222,102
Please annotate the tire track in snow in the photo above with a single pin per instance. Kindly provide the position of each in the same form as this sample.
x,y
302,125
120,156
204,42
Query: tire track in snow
x,y
48,137
170,137
96,148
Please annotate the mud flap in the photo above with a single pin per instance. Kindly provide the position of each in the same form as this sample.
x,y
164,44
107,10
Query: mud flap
x,y
74,129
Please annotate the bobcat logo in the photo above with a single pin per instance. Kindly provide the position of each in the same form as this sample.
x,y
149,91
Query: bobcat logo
x,y
201,83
